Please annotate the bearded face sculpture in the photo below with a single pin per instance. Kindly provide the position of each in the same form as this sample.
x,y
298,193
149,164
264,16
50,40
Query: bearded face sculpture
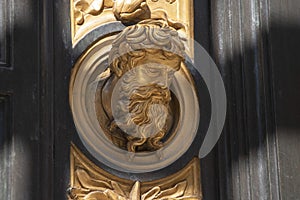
x,y
139,108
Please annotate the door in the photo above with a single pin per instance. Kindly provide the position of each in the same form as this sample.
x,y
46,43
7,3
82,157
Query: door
x,y
85,59
254,45
20,100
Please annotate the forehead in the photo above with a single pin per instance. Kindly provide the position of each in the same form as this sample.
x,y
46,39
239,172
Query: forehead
x,y
160,59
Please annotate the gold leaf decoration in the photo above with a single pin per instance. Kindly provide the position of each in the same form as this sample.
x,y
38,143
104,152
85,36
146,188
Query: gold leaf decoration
x,y
131,11
87,15
89,182
85,7
169,1
91,189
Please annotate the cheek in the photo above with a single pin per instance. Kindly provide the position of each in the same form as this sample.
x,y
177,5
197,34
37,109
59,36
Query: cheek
x,y
174,63
177,63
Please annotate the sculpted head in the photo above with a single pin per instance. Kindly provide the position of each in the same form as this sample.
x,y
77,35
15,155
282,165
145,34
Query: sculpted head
x,y
149,41
144,57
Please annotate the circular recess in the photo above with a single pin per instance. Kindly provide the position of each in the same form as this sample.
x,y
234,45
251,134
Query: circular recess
x,y
83,88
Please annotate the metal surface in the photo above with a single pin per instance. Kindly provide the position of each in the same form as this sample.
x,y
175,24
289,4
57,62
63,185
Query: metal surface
x,y
93,82
255,44
90,181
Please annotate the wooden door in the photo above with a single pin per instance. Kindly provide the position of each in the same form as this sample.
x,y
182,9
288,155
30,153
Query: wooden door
x,y
255,45
20,99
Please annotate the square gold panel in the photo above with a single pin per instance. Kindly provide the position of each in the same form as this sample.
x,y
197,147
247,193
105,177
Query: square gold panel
x,y
87,15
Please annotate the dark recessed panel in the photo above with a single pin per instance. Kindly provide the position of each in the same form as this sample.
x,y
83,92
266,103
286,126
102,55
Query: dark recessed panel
x,y
5,33
5,148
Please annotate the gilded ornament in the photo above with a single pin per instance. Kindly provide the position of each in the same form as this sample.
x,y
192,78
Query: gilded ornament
x,y
131,11
87,15
84,7
169,1
89,182
143,60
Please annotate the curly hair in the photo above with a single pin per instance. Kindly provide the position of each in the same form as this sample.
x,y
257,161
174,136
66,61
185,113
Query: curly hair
x,y
149,36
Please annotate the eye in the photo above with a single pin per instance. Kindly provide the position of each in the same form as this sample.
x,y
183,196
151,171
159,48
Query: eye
x,y
170,55
153,72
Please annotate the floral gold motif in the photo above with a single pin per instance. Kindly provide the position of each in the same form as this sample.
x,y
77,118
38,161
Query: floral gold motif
x,y
89,182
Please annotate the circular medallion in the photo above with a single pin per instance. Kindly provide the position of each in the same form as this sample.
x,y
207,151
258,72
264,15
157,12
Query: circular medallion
x,y
135,110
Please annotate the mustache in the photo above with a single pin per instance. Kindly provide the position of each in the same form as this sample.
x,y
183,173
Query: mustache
x,y
145,97
148,107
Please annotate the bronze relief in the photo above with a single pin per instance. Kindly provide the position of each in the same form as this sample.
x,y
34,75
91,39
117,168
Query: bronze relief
x,y
134,100
89,182
148,113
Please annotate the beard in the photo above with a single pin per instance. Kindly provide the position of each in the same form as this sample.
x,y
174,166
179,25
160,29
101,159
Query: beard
x,y
142,113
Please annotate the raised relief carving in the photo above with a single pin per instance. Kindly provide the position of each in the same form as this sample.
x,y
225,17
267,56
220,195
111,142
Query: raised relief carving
x,y
144,58
132,11
124,10
91,188
169,1
132,96
84,7
90,182
133,99
86,15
